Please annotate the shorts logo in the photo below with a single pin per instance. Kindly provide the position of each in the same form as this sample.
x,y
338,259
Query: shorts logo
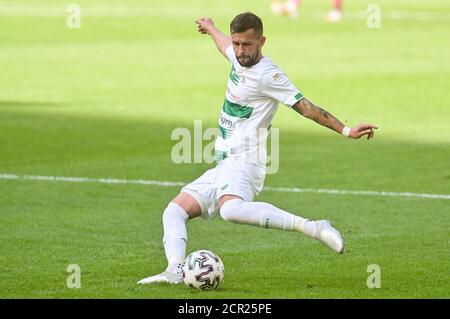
x,y
224,187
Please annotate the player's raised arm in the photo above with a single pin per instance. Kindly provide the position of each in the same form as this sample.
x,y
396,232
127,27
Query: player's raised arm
x,y
321,116
206,26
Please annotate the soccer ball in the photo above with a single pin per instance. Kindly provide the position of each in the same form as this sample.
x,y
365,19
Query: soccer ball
x,y
203,270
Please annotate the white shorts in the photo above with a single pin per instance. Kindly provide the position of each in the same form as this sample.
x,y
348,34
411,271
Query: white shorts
x,y
229,177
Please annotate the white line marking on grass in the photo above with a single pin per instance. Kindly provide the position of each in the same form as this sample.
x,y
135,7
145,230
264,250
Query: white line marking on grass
x,y
178,184
90,180
349,192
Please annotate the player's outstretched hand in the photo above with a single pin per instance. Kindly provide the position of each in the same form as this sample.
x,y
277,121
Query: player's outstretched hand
x,y
204,24
361,130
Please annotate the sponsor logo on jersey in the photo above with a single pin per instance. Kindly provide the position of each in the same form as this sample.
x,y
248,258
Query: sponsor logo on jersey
x,y
225,122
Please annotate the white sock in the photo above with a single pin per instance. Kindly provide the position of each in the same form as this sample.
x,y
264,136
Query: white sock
x,y
265,215
305,226
174,267
175,235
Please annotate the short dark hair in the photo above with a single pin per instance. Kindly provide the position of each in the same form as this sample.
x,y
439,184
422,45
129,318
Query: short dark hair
x,y
245,21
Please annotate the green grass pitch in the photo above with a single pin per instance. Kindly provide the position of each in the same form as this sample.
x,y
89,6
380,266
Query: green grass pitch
x,y
101,102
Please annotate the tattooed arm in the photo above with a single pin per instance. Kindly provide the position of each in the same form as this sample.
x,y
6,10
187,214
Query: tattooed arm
x,y
321,116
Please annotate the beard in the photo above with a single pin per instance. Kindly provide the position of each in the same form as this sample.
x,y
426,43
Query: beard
x,y
248,60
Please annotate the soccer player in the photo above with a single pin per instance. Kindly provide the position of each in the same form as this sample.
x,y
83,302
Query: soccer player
x,y
335,15
290,8
287,7
255,88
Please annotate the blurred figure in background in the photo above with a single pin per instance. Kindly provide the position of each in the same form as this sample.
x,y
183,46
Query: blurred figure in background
x,y
290,8
335,15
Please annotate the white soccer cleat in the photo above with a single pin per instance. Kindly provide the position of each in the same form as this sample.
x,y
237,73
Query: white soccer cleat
x,y
168,277
329,236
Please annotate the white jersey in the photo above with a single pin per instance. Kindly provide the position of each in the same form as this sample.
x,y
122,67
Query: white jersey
x,y
251,101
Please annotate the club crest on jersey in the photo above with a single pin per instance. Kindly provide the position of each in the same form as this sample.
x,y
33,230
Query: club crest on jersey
x,y
276,76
